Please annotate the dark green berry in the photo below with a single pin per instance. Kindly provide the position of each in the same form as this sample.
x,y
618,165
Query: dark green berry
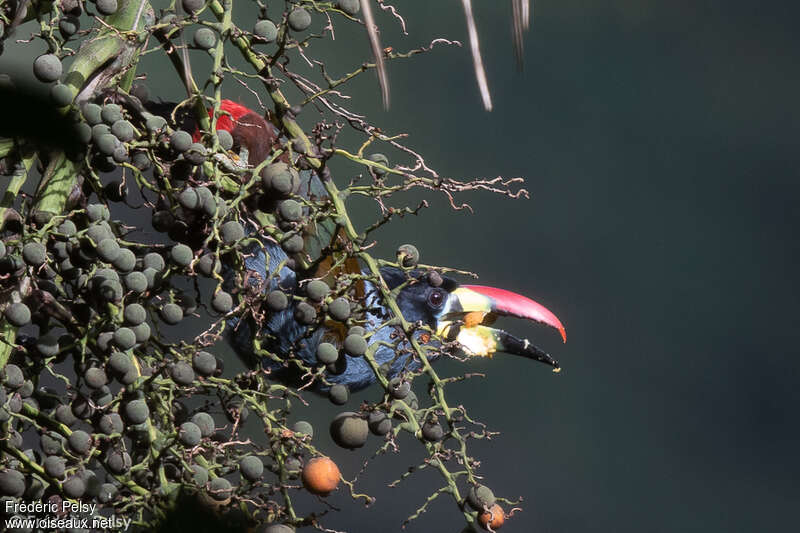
x,y
276,301
181,255
381,159
12,483
123,130
305,314
355,345
134,314
350,7
317,290
74,487
96,213
222,302
299,19
304,428
379,423
111,113
251,467
95,377
204,363
399,388
180,141
108,249
339,309
293,244
327,353
339,394
205,422
290,210
136,411
13,378
193,6
61,95
125,338
205,38
480,497
54,466
189,198
408,255
92,113
69,25
432,431
182,373
189,435
171,314
106,7
125,260
111,423
142,332
232,231
34,253
208,265
80,442
47,68
155,123
118,462
136,282
349,430
266,30
225,139
219,488
196,154
154,261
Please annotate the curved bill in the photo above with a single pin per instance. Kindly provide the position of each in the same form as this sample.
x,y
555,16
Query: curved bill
x,y
470,307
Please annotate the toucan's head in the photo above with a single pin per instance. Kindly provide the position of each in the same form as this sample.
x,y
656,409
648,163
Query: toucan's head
x,y
464,313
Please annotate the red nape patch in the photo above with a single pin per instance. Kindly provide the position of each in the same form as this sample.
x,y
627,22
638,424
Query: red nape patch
x,y
520,306
225,121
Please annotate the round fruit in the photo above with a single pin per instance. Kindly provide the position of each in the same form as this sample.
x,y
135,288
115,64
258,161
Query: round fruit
x,y
111,113
95,377
251,468
111,423
125,260
222,302
106,7
480,497
399,388
108,249
13,378
317,290
12,483
276,301
339,309
154,261
181,255
299,19
69,25
136,282
355,345
34,253
266,30
350,7
80,442
305,314
118,462
193,6
327,353
47,68
339,394
92,113
106,493
274,528
61,95
205,422
125,338
205,38
198,475
379,423
304,428
182,373
432,431
123,130
321,475
190,435
189,198
134,314
225,139
349,430
208,265
155,123
494,518
180,141
136,411
204,363
290,210
54,466
74,487
232,231
196,154
408,255
18,314
219,488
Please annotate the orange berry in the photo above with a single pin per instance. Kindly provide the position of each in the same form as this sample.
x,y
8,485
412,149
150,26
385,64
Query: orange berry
x,y
321,475
494,518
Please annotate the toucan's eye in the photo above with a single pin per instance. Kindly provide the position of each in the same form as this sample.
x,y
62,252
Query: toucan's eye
x,y
436,298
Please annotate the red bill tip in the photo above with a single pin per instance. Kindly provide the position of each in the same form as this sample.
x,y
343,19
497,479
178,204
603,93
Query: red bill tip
x,y
519,306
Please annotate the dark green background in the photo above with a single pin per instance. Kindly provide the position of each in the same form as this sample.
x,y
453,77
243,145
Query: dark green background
x,y
659,143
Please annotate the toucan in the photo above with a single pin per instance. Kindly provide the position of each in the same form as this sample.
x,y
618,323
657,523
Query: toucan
x,y
461,315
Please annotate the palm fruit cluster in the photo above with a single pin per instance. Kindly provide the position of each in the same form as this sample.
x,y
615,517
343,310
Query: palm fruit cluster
x,y
112,391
